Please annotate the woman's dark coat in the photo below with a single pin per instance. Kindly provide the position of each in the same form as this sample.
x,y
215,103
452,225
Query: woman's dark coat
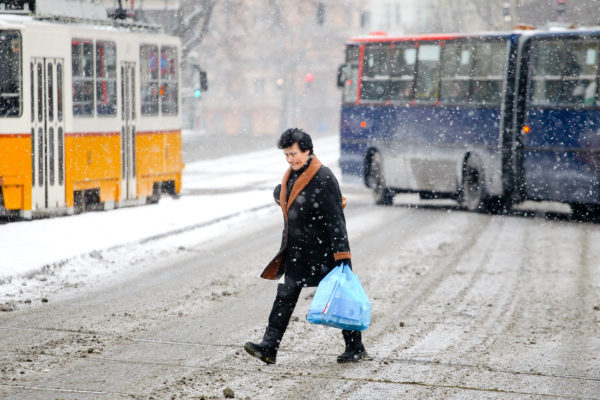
x,y
314,235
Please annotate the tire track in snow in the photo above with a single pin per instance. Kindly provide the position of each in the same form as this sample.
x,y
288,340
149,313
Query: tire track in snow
x,y
518,318
459,236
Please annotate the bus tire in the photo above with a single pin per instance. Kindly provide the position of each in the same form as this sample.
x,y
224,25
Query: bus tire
x,y
498,204
471,194
376,181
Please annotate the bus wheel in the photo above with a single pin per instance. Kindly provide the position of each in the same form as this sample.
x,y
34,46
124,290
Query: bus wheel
x,y
376,181
498,204
471,192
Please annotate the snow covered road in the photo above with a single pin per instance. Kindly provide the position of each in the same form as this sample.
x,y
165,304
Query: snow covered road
x,y
465,306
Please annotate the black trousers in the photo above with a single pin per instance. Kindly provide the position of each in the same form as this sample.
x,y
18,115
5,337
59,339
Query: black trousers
x,y
288,293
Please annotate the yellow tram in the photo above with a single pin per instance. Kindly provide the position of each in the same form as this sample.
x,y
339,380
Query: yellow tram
x,y
90,115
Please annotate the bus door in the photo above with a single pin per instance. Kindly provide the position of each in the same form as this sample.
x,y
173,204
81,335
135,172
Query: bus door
x,y
560,128
128,126
47,133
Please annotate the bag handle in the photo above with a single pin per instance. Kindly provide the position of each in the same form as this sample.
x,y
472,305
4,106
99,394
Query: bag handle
x,y
337,283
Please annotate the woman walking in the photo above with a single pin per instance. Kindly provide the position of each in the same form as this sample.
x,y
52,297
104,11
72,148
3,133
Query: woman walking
x,y
314,241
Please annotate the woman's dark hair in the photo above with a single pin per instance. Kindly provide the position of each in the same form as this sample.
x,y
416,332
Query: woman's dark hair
x,y
295,135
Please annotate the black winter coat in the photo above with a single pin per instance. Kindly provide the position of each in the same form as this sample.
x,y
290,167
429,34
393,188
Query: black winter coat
x,y
314,237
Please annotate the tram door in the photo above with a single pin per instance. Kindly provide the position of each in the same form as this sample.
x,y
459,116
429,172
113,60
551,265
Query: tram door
x,y
128,145
47,133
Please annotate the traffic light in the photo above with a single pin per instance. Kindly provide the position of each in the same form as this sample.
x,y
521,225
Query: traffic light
x,y
202,84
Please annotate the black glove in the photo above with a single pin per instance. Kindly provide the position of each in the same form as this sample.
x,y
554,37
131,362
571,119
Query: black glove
x,y
346,261
276,193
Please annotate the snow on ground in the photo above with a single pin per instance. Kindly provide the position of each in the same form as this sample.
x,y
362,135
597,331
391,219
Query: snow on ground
x,y
215,195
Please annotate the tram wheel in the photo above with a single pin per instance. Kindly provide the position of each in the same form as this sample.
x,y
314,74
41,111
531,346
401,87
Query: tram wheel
x,y
376,181
472,190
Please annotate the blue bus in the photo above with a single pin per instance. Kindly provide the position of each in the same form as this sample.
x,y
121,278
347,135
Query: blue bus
x,y
490,119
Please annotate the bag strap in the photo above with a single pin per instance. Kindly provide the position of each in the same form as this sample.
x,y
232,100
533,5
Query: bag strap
x,y
337,283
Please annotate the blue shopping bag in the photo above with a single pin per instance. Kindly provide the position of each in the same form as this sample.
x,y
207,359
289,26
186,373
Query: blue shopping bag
x,y
340,301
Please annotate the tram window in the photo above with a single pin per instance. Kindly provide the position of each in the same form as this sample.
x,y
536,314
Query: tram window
x,y
83,77
564,73
133,93
10,73
133,158
59,91
106,78
40,141
168,80
123,93
32,91
61,156
149,63
50,93
123,153
40,97
427,83
51,179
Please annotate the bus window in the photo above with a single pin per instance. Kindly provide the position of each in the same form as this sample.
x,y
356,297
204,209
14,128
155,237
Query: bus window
x,y
545,80
351,75
579,72
10,74
402,71
168,80
106,78
427,84
487,71
149,62
456,69
375,73
82,57
564,73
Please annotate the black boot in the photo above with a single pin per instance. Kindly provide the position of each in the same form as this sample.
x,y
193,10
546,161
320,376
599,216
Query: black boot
x,y
267,349
282,310
355,350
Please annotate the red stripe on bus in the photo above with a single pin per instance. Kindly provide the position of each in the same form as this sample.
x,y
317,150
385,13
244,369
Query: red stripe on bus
x,y
378,39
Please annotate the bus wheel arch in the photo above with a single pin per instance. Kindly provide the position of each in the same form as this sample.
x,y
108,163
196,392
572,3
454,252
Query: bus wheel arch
x,y
374,178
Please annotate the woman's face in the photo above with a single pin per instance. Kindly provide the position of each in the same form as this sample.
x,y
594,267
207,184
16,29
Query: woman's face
x,y
296,157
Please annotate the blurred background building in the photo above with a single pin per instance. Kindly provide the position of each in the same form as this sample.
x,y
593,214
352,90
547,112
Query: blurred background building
x,y
271,64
